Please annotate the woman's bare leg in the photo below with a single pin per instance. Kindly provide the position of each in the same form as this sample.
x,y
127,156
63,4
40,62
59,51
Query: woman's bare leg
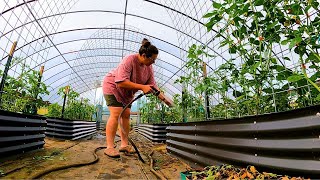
x,y
125,122
112,125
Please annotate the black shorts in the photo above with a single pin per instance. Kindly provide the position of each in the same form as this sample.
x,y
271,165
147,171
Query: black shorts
x,y
112,101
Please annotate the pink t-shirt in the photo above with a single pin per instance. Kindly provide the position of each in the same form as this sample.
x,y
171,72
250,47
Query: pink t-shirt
x,y
131,69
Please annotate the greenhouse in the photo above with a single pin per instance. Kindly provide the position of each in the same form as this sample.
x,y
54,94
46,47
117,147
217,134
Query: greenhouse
x,y
155,89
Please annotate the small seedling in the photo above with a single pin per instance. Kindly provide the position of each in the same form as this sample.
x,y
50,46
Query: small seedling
x,y
42,158
63,158
1,172
55,152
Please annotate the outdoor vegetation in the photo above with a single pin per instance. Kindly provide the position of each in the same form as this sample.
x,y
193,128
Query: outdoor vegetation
x,y
274,67
23,93
75,108
153,111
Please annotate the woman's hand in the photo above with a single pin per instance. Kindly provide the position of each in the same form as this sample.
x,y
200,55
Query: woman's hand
x,y
147,89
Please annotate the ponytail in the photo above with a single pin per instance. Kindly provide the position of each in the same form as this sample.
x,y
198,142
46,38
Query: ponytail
x,y
147,48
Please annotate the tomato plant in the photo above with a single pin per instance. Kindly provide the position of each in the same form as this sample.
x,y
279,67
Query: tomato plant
x,y
76,109
23,93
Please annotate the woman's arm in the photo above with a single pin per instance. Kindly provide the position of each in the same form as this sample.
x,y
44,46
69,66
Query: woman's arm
x,y
131,85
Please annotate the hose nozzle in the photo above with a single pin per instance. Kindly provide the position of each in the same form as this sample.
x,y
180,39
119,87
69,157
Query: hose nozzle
x,y
156,91
162,97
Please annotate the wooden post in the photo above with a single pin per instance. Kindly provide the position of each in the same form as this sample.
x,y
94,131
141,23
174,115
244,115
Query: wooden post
x,y
66,91
5,72
34,108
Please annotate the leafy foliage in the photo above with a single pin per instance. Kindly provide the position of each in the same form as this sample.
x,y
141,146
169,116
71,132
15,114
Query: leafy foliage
x,y
23,94
54,110
154,111
76,109
260,82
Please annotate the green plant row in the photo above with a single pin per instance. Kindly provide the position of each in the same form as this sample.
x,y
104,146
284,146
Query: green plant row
x,y
257,79
75,108
23,94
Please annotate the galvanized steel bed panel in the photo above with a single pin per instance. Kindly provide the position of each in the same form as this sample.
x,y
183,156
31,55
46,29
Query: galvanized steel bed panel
x,y
286,142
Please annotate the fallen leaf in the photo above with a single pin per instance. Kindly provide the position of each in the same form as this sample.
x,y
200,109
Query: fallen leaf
x,y
244,175
249,175
285,178
253,169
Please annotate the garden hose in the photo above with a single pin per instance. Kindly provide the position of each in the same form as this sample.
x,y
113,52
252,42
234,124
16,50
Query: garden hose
x,y
34,162
122,129
96,158
151,167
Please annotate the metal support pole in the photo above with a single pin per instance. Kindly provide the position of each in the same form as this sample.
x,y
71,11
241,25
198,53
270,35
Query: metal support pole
x,y
207,104
5,72
66,91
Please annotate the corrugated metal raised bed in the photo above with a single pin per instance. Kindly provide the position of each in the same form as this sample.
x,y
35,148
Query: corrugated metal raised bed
x,y
286,143
135,128
101,126
68,129
20,133
154,132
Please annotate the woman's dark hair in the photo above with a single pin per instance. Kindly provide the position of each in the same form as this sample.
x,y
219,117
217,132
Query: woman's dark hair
x,y
147,48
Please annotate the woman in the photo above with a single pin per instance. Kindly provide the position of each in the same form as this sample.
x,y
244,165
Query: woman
x,y
134,73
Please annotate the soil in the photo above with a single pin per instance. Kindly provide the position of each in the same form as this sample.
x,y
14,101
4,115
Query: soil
x,y
58,153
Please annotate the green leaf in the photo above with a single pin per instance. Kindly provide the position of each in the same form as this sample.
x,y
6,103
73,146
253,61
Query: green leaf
x,y
259,14
209,15
285,42
210,24
216,5
256,65
295,78
232,50
273,60
294,42
270,26
315,76
318,97
296,9
313,57
286,58
258,2
315,4
268,90
256,42
313,67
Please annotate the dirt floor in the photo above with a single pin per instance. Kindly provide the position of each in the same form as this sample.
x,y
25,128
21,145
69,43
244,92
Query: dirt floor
x,y
57,153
